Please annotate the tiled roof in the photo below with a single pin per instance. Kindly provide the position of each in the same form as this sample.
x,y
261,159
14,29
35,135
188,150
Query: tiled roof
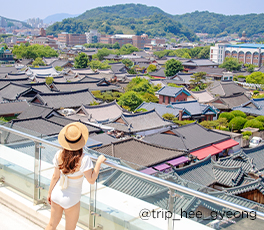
x,y
42,71
102,113
202,96
60,120
228,176
158,73
35,110
200,172
118,68
132,185
227,88
60,63
101,85
239,159
15,107
228,102
257,154
41,87
253,107
139,152
161,109
194,107
208,70
37,126
172,91
140,122
64,99
12,91
199,62
49,60
104,138
188,137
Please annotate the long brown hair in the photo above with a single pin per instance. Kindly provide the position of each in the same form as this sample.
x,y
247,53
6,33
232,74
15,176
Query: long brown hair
x,y
70,160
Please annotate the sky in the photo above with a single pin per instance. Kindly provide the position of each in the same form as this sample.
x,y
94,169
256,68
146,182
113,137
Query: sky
x,y
24,9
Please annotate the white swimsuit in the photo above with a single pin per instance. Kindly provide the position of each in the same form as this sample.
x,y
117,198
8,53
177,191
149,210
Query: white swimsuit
x,y
67,192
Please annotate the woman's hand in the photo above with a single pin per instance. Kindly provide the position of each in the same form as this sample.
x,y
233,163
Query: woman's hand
x,y
101,159
49,199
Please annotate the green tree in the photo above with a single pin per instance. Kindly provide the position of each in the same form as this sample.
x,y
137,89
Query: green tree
x,y
151,68
174,85
237,123
102,53
81,61
58,68
222,122
168,116
128,49
250,67
254,123
38,62
231,64
130,100
116,46
260,118
127,62
95,64
49,80
186,55
197,79
238,113
255,78
228,116
172,67
149,97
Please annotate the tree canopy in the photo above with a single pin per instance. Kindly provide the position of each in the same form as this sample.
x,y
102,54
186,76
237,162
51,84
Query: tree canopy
x,y
172,67
33,51
231,64
38,62
255,78
81,61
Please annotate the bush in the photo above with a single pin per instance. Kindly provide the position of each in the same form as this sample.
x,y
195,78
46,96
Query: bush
x,y
255,92
260,118
224,129
181,123
168,116
237,123
206,124
141,110
247,133
228,116
246,137
251,117
254,124
49,80
222,122
238,113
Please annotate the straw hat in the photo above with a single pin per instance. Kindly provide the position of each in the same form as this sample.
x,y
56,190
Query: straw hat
x,y
73,136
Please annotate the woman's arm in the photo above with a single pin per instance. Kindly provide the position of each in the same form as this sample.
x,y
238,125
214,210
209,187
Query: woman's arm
x,y
92,174
54,179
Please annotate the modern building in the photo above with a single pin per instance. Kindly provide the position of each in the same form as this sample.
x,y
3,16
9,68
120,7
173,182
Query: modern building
x,y
6,56
93,36
135,40
72,39
245,53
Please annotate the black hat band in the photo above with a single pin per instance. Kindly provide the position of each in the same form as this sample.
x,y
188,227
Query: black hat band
x,y
72,142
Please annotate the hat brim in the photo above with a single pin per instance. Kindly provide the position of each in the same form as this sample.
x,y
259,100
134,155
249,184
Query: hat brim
x,y
74,146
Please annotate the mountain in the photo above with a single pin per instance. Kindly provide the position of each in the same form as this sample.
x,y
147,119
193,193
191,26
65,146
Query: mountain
x,y
7,22
138,19
58,17
212,23
123,10
125,19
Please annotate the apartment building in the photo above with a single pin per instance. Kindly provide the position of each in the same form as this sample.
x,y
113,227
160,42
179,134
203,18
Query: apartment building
x,y
72,39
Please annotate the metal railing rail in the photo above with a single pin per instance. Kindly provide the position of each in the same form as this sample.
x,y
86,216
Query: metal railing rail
x,y
156,180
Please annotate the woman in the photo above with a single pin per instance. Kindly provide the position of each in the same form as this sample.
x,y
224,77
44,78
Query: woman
x,y
71,164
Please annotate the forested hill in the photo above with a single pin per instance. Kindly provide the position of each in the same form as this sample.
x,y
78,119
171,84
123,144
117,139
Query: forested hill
x,y
123,10
212,23
156,25
138,19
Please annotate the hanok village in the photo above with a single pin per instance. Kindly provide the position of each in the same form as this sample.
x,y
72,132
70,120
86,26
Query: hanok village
x,y
179,136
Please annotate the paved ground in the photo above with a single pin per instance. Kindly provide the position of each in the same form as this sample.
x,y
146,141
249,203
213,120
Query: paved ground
x,y
10,220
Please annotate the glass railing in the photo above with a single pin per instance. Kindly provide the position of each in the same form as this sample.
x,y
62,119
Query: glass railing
x,y
122,197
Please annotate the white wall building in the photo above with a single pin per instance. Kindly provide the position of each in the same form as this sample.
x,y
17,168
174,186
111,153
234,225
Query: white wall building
x,y
245,53
93,36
